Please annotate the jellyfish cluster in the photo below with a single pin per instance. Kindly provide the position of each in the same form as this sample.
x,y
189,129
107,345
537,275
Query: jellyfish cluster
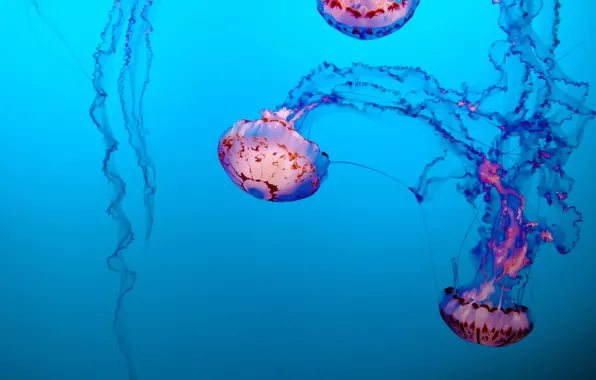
x,y
531,104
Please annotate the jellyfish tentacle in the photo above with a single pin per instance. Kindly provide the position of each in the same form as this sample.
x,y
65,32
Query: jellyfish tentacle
x,y
131,98
116,261
54,28
419,200
148,168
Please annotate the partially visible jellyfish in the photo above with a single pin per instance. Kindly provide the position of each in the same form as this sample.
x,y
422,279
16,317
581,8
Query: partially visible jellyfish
x,y
530,105
130,18
367,19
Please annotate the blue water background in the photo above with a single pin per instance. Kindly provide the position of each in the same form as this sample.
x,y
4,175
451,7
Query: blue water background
x,y
338,286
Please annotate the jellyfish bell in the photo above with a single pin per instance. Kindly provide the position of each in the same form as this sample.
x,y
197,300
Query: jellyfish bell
x,y
482,315
367,19
270,160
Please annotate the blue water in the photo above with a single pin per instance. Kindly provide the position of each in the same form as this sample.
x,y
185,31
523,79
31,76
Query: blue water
x,y
337,286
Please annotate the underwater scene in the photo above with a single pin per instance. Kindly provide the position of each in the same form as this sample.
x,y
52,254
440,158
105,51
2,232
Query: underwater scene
x,y
308,190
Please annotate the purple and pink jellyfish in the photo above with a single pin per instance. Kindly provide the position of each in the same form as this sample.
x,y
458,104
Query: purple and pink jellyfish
x,y
270,160
486,312
367,19
545,118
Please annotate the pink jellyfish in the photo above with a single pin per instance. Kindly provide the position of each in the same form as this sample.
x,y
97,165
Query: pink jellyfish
x,y
486,311
472,316
270,160
367,19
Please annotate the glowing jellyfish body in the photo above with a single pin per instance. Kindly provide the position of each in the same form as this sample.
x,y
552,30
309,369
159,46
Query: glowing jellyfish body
x,y
270,160
485,312
473,315
367,19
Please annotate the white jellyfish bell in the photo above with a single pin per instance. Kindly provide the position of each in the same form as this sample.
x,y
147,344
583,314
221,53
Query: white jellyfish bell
x,y
270,160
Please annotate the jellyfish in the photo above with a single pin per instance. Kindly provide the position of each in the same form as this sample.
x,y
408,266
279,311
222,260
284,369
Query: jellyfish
x,y
270,160
486,311
367,19
537,115
137,59
548,117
